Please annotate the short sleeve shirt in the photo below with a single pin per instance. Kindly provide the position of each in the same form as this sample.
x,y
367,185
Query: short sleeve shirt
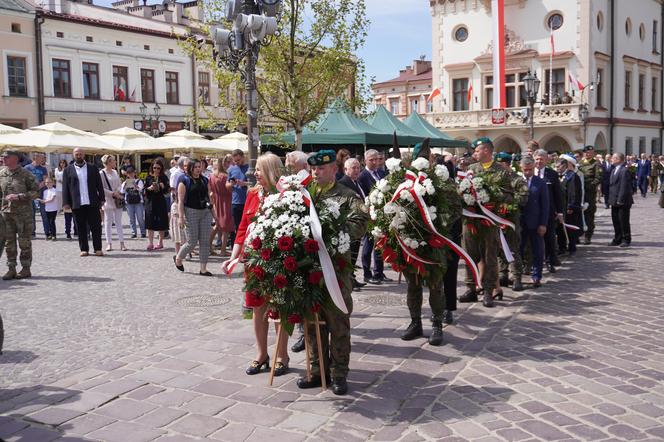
x,y
40,173
238,173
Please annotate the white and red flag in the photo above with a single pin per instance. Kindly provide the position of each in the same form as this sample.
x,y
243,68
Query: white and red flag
x,y
470,96
575,83
498,13
434,93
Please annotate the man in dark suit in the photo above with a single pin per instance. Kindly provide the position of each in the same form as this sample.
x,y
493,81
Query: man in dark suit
x,y
607,167
83,193
367,178
534,217
352,171
620,199
555,211
642,174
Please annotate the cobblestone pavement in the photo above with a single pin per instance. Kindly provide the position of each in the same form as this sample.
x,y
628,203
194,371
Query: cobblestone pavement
x,y
116,349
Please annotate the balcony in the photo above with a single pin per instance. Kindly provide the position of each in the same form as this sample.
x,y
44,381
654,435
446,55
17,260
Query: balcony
x,y
558,115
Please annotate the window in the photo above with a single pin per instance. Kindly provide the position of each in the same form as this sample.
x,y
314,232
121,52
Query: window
x,y
60,34
515,90
653,95
460,91
120,85
628,145
461,34
642,145
147,85
61,79
118,43
628,89
628,27
655,146
558,88
16,27
170,51
89,39
172,96
642,91
429,106
598,89
394,106
654,36
146,47
642,32
488,92
414,105
16,77
91,81
555,21
204,87
600,21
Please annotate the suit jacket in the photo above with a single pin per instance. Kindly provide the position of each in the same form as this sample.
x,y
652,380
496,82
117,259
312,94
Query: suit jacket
x,y
642,168
555,192
367,180
607,168
71,195
346,181
620,187
536,211
572,189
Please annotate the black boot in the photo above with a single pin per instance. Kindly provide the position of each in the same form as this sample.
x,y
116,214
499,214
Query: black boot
x,y
487,301
469,296
448,317
436,337
505,281
413,331
299,345
518,285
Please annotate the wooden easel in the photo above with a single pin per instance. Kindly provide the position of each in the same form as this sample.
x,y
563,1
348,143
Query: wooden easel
x,y
321,361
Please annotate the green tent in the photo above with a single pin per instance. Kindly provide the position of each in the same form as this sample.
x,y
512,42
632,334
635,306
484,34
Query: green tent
x,y
438,138
386,122
337,126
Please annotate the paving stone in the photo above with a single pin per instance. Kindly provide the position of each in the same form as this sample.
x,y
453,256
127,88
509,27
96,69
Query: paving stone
x,y
125,409
10,426
54,416
145,392
33,434
207,405
586,432
261,434
624,431
197,425
160,417
174,398
513,434
125,432
543,430
233,432
303,422
85,424
119,387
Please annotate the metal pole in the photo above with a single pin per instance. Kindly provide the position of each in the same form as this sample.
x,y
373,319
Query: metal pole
x,y
251,98
532,117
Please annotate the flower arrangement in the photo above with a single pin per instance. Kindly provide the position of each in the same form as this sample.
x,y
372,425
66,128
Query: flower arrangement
x,y
282,264
410,210
483,189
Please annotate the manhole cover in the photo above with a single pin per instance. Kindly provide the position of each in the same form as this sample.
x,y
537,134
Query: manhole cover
x,y
202,301
387,300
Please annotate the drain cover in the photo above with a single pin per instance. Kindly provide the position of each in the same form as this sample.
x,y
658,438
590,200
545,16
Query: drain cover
x,y
387,300
202,301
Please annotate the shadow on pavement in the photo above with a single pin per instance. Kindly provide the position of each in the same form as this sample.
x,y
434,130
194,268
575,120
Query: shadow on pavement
x,y
73,278
17,357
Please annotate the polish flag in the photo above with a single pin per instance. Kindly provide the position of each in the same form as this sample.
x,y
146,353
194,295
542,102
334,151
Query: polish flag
x,y
470,95
498,14
575,83
434,94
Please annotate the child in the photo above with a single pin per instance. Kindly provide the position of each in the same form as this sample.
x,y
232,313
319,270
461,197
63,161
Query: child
x,y
50,202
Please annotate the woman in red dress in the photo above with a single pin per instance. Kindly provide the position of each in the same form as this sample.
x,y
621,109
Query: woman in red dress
x,y
221,191
268,170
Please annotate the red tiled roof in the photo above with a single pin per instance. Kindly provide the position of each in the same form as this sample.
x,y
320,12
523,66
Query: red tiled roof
x,y
408,75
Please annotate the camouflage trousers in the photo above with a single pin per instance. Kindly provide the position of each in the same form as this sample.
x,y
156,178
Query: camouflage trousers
x,y
589,214
335,340
2,235
18,229
514,268
482,246
414,297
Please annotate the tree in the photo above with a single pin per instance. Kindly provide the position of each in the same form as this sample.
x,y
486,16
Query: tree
x,y
308,63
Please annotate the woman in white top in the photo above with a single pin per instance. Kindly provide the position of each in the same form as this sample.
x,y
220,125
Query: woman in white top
x,y
58,181
110,180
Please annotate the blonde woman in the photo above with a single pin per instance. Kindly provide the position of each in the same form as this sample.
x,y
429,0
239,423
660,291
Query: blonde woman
x,y
114,203
268,171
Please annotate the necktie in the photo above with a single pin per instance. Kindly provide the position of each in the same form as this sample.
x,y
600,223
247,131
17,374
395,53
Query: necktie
x,y
359,188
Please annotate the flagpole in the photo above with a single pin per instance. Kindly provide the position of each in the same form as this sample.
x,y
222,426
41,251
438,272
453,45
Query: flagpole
x,y
551,69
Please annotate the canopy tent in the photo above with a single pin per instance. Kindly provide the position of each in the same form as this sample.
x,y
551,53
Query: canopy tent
x,y
437,138
128,140
386,122
55,138
232,141
186,139
4,129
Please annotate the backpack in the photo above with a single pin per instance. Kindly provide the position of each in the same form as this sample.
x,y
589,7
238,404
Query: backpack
x,y
133,195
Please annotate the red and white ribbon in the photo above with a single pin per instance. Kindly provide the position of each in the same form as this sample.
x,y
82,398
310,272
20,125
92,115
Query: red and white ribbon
x,y
571,227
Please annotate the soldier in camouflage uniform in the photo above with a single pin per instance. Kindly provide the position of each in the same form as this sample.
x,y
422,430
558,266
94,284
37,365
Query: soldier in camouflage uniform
x,y
592,177
335,334
18,188
513,236
485,246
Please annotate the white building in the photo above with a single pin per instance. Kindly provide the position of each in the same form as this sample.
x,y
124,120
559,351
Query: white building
x,y
613,47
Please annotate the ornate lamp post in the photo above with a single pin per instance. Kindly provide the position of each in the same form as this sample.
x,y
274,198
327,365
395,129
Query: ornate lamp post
x,y
254,22
150,117
584,113
532,87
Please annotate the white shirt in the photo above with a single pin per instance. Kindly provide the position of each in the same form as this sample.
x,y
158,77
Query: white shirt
x,y
58,179
51,206
115,185
82,174
173,179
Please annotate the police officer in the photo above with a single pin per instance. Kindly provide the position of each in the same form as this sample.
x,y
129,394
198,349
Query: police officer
x,y
592,177
335,336
18,188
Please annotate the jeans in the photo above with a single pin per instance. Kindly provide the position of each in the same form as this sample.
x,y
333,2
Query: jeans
x,y
42,212
136,212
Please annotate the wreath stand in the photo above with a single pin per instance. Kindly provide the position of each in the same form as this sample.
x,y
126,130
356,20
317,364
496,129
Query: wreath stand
x,y
321,361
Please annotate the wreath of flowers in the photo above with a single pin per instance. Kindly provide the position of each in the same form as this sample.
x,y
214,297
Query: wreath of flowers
x,y
282,264
398,223
483,188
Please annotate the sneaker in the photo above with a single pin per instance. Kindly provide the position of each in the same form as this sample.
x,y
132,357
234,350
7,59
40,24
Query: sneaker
x,y
133,235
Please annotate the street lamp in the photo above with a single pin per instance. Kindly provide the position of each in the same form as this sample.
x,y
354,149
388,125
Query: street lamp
x,y
584,113
149,117
532,87
236,50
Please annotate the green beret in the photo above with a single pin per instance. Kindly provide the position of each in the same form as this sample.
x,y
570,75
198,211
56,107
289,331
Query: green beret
x,y
482,140
322,157
6,153
588,148
503,157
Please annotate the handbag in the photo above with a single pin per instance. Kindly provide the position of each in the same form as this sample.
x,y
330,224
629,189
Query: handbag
x,y
119,202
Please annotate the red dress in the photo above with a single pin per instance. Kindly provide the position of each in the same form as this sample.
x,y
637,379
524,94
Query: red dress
x,y
251,206
221,199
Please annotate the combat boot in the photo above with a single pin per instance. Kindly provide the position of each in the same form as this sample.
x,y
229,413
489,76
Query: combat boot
x,y
436,337
11,274
487,301
518,285
24,273
413,331
469,296
505,281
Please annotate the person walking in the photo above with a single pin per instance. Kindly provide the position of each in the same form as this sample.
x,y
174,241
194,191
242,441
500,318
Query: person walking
x,y
620,199
221,194
83,193
534,218
156,211
194,214
50,202
179,236
40,173
642,174
132,189
237,175
114,202
18,188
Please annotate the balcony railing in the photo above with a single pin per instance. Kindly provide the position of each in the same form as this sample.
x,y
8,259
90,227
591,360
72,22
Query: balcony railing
x,y
559,114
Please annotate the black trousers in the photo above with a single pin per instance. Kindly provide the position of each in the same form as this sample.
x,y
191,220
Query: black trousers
x,y
88,219
368,251
621,226
450,278
51,222
236,211
550,241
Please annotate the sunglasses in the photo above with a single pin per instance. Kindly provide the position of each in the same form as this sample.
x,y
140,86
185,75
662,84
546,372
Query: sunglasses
x,y
156,168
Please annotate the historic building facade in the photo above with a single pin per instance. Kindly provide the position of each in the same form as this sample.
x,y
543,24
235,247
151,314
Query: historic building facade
x,y
408,92
611,47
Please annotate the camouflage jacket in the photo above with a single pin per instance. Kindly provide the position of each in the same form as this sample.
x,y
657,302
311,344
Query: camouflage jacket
x,y
592,174
357,222
19,182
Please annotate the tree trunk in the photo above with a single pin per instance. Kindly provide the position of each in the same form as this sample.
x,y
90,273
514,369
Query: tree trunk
x,y
298,139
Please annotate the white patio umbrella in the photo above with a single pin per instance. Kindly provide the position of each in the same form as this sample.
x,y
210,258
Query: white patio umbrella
x,y
128,140
55,138
4,129
186,139
232,141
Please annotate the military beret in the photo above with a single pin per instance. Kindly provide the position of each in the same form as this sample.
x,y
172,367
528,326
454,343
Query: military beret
x,y
588,148
482,140
6,153
503,157
322,157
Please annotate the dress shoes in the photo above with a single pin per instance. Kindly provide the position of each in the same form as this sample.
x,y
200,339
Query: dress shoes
x,y
339,386
413,331
384,278
315,382
551,269
518,285
586,241
448,317
624,244
469,296
614,243
537,283
487,301
436,337
372,280
299,345
556,262
357,286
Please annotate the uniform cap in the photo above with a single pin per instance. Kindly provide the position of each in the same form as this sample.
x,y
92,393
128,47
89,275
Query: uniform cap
x,y
482,140
503,157
588,148
7,153
322,157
